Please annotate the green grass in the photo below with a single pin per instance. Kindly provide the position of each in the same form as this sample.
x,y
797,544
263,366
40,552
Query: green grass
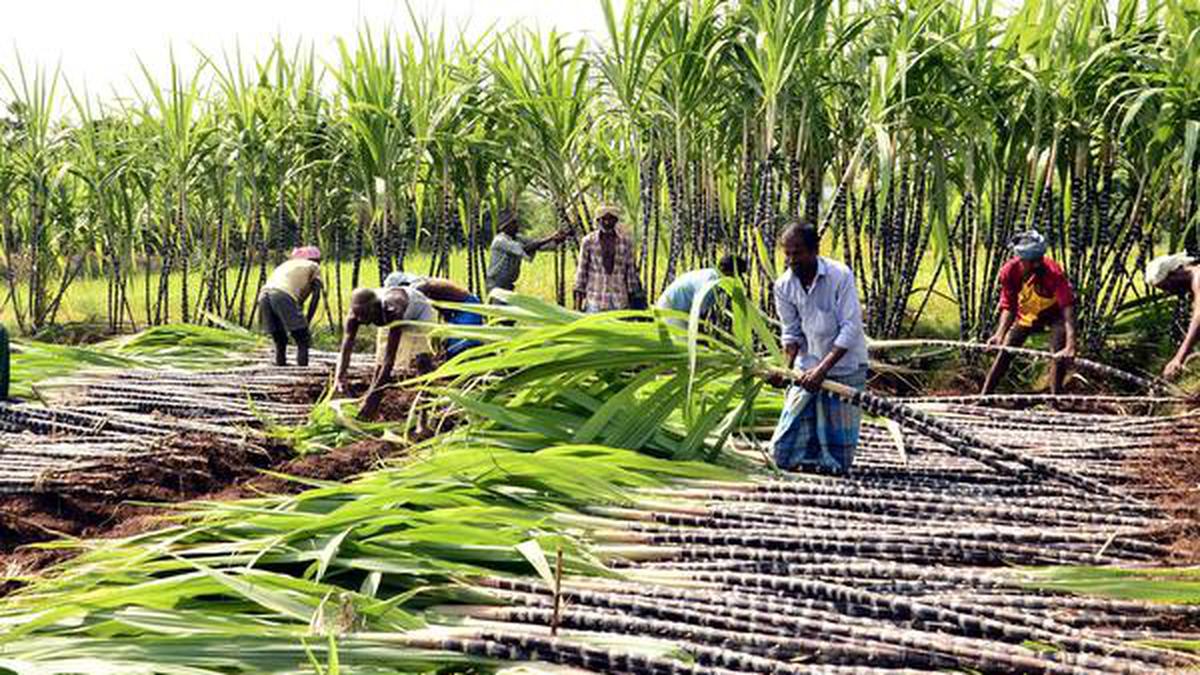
x,y
85,301
1175,585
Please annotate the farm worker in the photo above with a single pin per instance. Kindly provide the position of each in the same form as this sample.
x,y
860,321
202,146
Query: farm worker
x,y
281,300
383,307
680,295
1178,274
4,364
823,338
607,276
1034,295
443,290
509,250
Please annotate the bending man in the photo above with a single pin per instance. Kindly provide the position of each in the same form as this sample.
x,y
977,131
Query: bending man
x,y
823,337
443,290
384,307
681,293
1034,296
1178,274
284,294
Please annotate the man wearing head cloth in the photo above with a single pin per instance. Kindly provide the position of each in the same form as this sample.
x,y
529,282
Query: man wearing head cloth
x,y
607,275
444,291
282,297
1034,296
1178,274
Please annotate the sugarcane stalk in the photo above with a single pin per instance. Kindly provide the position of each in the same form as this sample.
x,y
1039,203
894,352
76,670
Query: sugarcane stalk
x,y
1153,384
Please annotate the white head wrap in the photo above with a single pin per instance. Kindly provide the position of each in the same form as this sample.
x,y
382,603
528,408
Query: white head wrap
x,y
1160,268
399,279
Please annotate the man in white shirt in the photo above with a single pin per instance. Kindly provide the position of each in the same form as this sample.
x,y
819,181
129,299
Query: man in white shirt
x,y
386,308
823,339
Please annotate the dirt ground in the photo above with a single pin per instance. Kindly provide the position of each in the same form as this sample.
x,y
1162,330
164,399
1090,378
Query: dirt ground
x,y
1171,475
103,501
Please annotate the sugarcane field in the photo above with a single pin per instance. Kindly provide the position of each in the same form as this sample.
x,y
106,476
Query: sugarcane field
x,y
614,336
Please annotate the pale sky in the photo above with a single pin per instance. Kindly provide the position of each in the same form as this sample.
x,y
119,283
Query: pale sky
x,y
98,42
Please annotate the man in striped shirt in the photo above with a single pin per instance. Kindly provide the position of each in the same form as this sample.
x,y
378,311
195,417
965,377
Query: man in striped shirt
x,y
607,276
509,249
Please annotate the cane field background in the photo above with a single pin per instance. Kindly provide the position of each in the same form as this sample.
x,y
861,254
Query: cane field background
x,y
924,133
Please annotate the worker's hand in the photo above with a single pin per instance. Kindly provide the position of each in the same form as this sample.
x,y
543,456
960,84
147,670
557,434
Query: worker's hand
x,y
811,379
779,378
1066,353
342,386
996,340
1173,368
423,364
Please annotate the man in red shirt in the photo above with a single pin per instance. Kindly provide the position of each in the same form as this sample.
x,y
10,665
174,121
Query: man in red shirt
x,y
1034,295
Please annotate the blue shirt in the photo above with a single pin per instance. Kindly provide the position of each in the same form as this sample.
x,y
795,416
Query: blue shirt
x,y
825,316
682,292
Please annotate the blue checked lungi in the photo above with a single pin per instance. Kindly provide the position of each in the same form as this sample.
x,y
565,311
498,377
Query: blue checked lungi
x,y
455,346
818,431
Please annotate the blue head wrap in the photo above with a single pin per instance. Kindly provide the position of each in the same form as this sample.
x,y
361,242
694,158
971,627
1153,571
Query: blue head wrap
x,y
1029,245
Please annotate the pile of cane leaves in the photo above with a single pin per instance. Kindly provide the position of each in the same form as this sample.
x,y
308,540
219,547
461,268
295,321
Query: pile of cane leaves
x,y
255,585
627,379
173,346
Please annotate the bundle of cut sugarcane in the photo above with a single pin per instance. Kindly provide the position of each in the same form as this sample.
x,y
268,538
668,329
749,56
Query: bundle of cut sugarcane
x,y
98,416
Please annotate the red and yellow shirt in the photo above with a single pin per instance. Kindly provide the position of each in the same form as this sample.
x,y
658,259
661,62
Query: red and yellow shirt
x,y
1031,296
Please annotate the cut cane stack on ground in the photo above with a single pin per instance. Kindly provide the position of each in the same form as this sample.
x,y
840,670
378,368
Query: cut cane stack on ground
x,y
874,571
913,563
98,418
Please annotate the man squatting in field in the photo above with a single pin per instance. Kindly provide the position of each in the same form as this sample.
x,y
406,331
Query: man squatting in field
x,y
1034,296
823,337
443,290
606,278
1178,274
282,297
385,307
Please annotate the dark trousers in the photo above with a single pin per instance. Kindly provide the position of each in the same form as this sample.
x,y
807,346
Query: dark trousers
x,y
281,315
1056,324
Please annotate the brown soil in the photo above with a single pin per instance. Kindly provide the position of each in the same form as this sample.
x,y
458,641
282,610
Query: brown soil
x,y
1171,474
102,501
